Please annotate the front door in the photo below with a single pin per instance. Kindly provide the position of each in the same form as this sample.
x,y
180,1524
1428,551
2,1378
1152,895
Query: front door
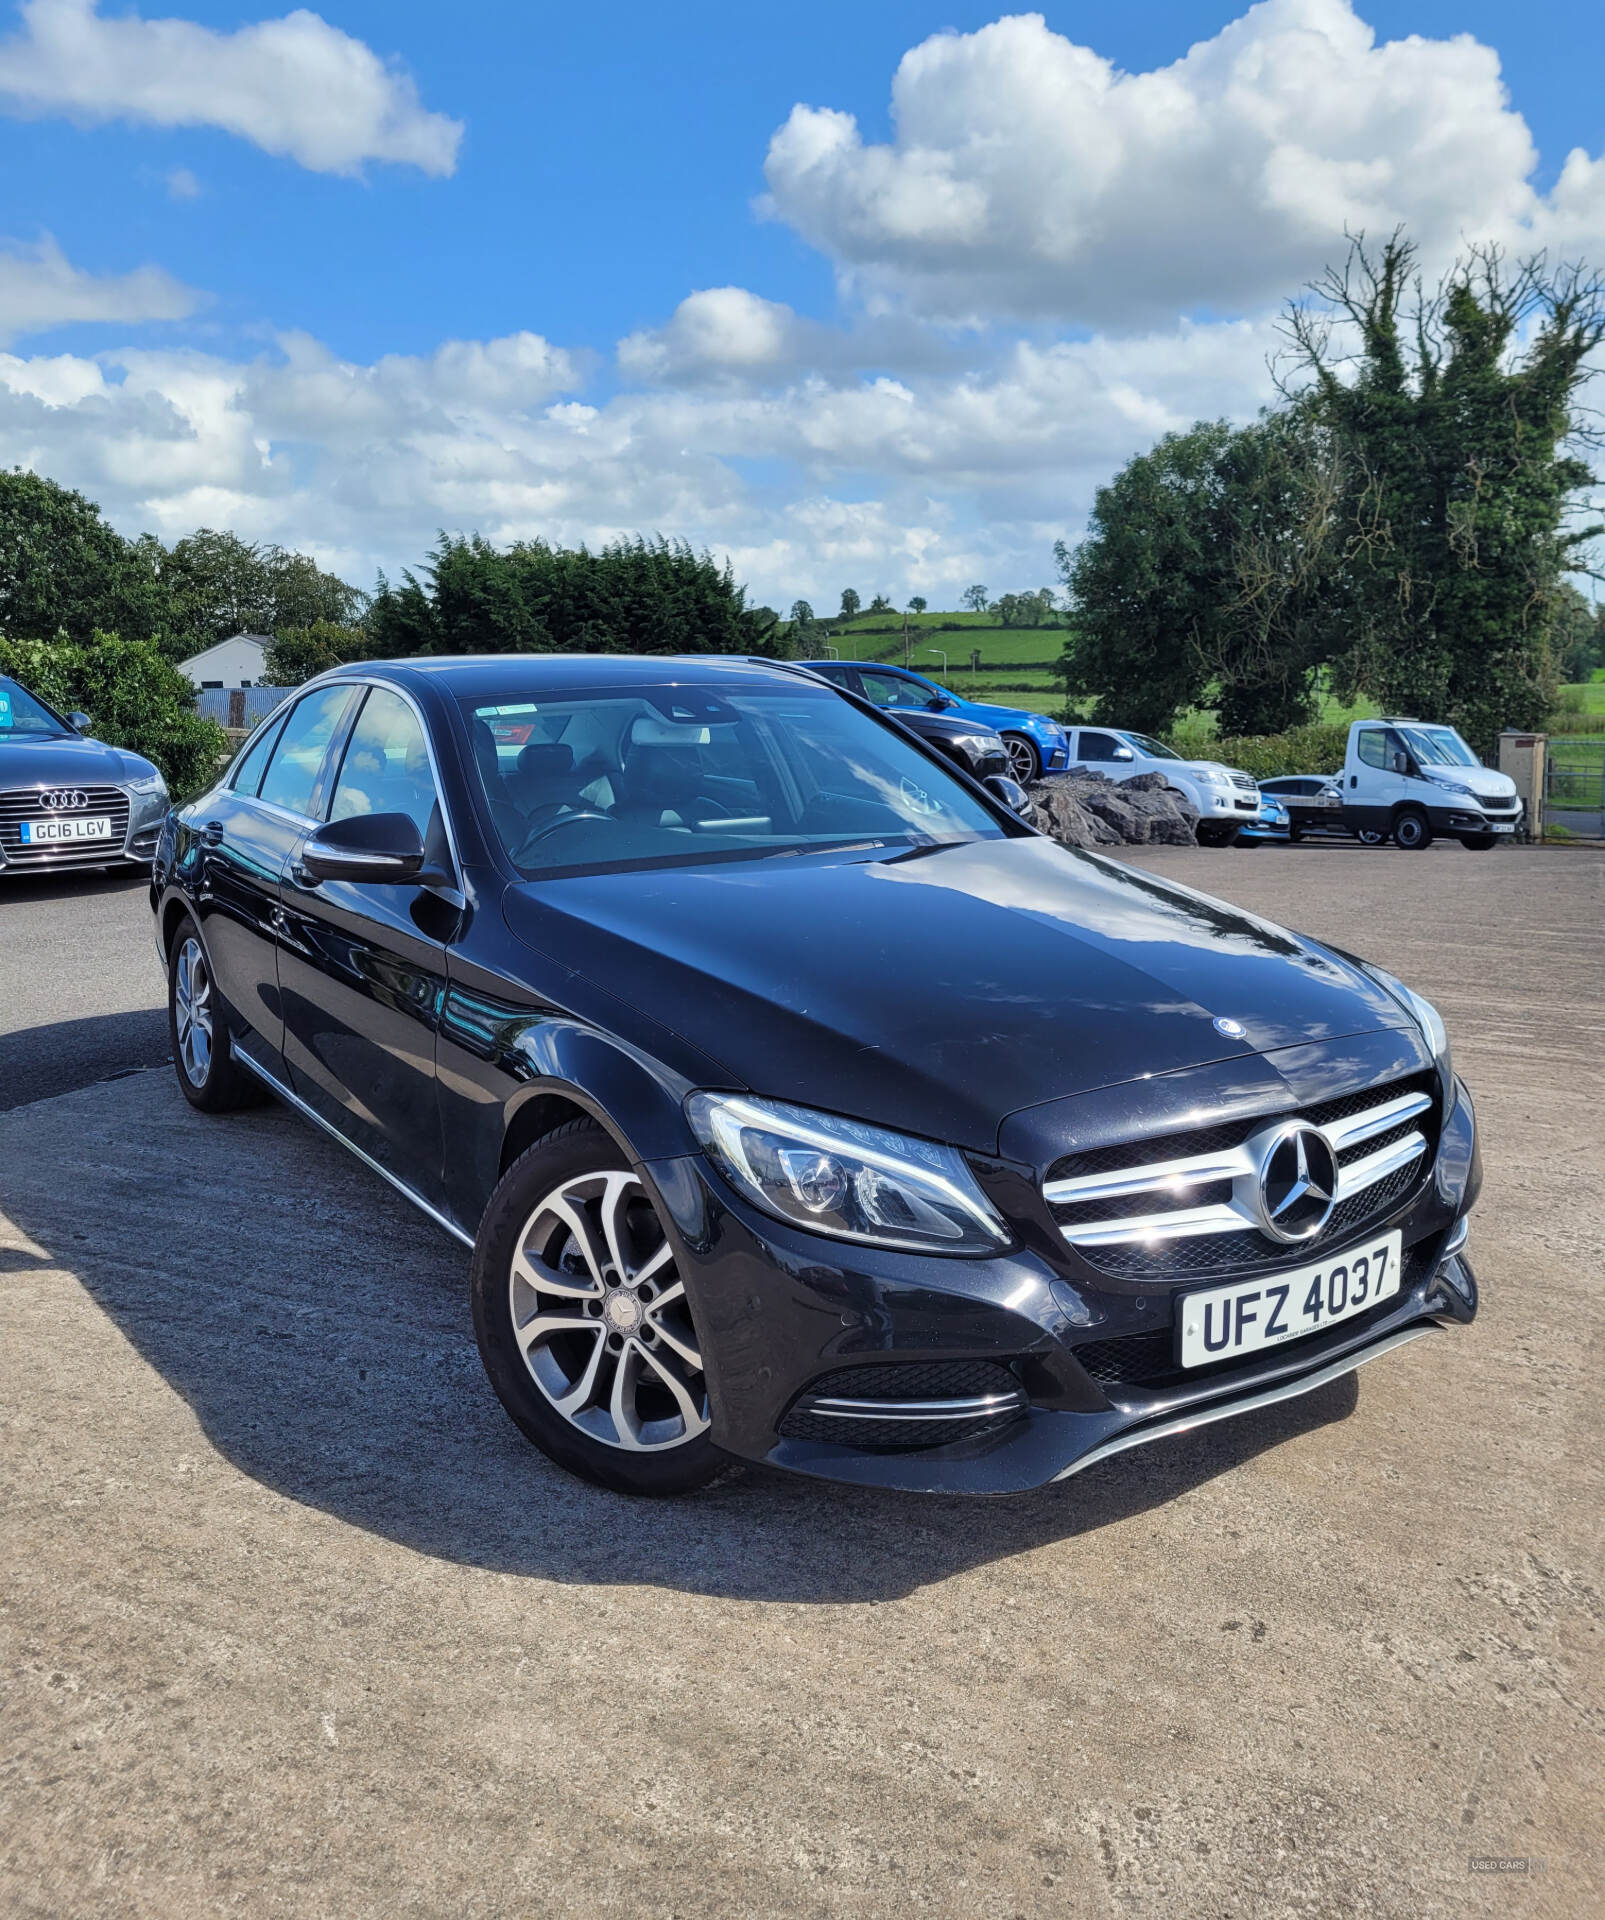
x,y
1375,788
362,967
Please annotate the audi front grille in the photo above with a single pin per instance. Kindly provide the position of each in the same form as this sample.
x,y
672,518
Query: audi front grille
x,y
24,803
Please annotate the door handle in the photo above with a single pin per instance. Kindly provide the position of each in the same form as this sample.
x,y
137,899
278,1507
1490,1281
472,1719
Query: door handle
x,y
212,833
300,877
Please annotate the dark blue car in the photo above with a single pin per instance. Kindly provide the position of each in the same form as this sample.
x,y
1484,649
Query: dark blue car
x,y
1036,744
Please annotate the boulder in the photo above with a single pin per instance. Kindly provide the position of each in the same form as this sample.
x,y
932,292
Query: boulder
x,y
1086,809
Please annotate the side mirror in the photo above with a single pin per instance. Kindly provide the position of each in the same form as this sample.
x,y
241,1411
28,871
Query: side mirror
x,y
939,703
380,848
81,721
1401,763
1123,753
1010,792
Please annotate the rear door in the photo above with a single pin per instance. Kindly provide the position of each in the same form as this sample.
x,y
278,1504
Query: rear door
x,y
247,835
362,967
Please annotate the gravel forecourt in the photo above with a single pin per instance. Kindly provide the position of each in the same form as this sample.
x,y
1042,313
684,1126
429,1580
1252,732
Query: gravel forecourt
x,y
294,1623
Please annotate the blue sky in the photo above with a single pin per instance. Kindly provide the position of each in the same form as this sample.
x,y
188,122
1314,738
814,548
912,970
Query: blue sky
x,y
233,272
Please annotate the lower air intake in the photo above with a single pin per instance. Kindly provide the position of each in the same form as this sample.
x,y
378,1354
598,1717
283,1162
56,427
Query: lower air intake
x,y
905,1408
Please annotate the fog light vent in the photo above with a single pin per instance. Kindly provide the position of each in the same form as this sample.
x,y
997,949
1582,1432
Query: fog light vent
x,y
901,1408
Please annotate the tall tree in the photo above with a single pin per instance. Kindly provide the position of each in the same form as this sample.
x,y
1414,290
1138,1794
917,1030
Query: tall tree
x,y
974,598
1457,412
634,596
64,570
220,585
850,604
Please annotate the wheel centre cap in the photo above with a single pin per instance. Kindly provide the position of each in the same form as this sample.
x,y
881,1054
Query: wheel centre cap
x,y
622,1311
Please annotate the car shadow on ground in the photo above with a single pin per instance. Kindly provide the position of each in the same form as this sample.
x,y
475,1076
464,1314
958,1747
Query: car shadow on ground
x,y
319,1330
39,1063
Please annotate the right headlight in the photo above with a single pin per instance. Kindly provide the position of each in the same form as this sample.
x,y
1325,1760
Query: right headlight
x,y
841,1177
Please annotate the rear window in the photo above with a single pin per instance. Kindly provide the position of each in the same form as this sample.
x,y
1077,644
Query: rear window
x,y
604,779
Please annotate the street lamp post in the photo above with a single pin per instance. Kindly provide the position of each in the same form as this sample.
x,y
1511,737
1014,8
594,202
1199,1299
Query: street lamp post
x,y
944,658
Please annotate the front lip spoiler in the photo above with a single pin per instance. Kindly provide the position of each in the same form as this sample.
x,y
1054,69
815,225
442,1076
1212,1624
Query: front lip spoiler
x,y
1167,1429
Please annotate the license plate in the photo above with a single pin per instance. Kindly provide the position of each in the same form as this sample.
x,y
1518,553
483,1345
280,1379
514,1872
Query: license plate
x,y
1501,826
67,832
1226,1323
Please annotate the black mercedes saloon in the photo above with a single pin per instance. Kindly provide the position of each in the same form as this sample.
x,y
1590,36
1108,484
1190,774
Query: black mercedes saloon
x,y
800,1103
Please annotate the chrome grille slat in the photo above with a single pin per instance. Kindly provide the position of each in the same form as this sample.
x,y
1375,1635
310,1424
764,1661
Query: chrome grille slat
x,y
1090,1218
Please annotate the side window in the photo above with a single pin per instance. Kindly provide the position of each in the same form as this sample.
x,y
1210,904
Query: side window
x,y
1373,751
247,774
891,690
292,775
1096,746
386,766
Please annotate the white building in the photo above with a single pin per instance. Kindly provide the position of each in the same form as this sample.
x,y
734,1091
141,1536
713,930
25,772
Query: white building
x,y
237,662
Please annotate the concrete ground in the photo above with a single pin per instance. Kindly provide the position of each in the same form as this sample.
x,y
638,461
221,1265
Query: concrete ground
x,y
294,1623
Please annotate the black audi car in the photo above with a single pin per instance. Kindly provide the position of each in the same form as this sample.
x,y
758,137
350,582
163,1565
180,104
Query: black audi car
x,y
799,1102
68,801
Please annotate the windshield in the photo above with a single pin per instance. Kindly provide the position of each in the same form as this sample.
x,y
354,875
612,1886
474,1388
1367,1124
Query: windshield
x,y
21,715
1440,747
1146,744
600,779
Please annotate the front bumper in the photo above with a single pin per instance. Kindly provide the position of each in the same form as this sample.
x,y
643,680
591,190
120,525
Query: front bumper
x,y
783,1313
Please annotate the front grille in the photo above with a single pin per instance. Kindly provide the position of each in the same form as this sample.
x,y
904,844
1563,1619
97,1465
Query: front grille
x,y
859,1407
1247,782
22,803
1183,1204
1149,1359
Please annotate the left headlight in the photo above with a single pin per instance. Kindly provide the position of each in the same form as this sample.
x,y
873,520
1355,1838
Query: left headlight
x,y
1422,1011
151,782
844,1178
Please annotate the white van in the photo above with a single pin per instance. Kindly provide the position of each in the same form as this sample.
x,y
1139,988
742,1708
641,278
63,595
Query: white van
x,y
1227,799
1415,778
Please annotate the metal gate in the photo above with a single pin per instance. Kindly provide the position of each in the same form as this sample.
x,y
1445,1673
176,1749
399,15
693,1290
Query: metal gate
x,y
1574,785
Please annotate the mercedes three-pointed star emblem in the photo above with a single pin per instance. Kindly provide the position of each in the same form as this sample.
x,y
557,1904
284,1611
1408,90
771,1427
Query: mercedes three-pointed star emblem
x,y
1298,1180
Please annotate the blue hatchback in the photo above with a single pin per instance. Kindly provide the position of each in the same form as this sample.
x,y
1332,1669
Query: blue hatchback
x,y
1036,744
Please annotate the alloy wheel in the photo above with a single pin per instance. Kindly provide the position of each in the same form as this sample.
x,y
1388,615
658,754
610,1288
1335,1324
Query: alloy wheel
x,y
1022,759
600,1316
192,1012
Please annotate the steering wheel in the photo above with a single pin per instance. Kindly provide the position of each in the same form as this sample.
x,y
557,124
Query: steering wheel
x,y
537,834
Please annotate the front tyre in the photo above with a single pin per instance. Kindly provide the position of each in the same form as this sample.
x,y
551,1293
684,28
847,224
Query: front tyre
x,y
583,1320
1412,831
1479,842
209,1075
1025,763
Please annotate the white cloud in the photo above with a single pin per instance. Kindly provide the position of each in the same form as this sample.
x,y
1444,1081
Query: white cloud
x,y
293,86
1030,177
182,184
717,330
40,288
921,482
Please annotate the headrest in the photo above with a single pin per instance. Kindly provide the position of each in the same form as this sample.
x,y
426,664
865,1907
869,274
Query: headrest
x,y
485,747
546,759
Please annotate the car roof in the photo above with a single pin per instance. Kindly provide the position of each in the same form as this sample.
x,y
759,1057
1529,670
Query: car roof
x,y
469,675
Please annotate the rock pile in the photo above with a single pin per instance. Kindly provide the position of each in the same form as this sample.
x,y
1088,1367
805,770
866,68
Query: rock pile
x,y
1086,809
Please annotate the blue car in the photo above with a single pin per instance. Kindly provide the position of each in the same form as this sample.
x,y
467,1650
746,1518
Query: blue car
x,y
1273,822
1036,744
